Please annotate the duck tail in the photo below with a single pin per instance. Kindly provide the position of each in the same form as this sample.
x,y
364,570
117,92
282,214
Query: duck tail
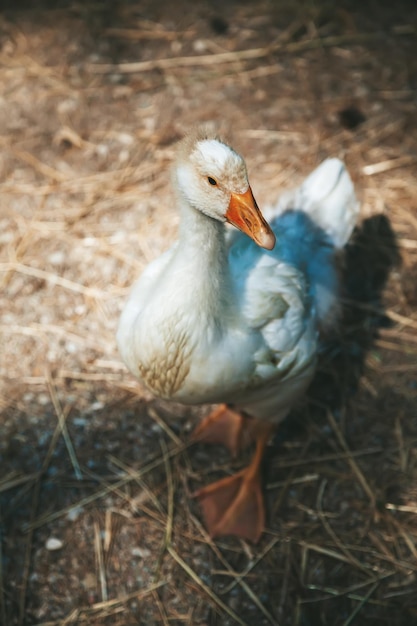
x,y
327,195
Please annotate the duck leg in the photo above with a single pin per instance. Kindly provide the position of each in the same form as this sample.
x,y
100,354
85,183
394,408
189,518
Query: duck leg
x,y
226,427
234,505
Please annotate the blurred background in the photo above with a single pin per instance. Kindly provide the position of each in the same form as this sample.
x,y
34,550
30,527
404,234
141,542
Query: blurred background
x,y
96,521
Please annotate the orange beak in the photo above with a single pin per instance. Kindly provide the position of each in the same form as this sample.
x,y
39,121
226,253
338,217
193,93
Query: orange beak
x,y
243,212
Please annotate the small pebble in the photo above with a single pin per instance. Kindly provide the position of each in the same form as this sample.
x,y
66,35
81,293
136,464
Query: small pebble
x,y
54,544
43,399
199,45
142,553
57,258
74,513
80,421
71,347
96,406
124,156
126,139
102,150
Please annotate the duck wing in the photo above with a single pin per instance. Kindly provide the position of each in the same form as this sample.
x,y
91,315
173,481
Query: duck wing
x,y
287,294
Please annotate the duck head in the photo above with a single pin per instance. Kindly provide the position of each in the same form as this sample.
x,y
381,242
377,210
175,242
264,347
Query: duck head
x,y
211,177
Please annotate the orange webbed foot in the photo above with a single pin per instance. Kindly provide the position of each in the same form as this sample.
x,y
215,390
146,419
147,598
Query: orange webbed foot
x,y
225,427
234,506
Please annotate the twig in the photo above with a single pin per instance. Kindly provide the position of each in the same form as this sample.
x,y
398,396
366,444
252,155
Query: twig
x,y
54,279
191,573
44,519
394,347
100,562
227,57
30,527
138,500
239,580
13,480
160,608
401,319
328,457
351,559
42,168
2,602
97,376
361,604
37,329
338,592
166,542
408,244
406,536
170,489
108,534
281,135
102,609
63,426
403,508
393,315
326,551
354,466
136,34
162,424
28,552
403,451
239,577
385,554
309,478
390,164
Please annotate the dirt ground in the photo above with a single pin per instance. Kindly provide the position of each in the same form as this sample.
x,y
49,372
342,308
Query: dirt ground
x,y
97,525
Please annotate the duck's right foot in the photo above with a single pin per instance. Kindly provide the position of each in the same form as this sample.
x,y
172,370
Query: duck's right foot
x,y
226,427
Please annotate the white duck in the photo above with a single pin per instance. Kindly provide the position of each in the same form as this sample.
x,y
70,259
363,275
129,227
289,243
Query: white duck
x,y
225,317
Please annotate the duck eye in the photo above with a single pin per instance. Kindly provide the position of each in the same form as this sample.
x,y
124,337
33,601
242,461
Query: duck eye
x,y
212,181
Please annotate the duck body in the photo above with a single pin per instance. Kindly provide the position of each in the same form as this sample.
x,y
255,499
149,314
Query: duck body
x,y
260,335
227,317
219,319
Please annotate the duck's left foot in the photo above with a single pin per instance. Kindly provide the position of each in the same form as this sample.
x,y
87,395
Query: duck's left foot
x,y
225,427
234,506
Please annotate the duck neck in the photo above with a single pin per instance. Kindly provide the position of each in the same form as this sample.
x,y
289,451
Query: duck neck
x,y
203,252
